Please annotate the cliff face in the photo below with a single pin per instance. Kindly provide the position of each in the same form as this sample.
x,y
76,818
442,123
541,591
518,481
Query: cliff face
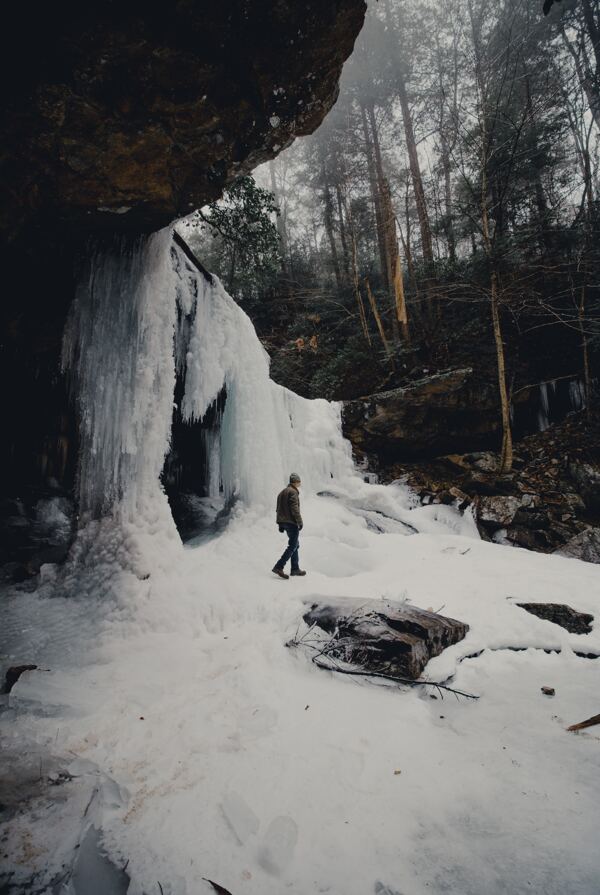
x,y
117,117
123,116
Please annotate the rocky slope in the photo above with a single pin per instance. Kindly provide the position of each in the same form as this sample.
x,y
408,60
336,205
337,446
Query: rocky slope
x,y
550,502
450,412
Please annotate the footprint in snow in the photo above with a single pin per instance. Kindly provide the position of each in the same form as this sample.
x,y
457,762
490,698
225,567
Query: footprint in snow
x,y
278,845
380,889
240,816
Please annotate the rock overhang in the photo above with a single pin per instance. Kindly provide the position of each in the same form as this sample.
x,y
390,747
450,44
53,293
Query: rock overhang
x,y
125,116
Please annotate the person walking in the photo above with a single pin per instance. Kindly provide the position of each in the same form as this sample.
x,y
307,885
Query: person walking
x,y
289,520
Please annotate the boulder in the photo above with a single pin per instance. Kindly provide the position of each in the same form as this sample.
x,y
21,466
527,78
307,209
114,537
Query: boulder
x,y
585,546
384,636
587,477
124,116
444,413
499,511
561,614
13,674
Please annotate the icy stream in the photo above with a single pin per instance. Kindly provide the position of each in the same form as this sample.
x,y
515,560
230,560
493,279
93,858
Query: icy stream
x,y
168,721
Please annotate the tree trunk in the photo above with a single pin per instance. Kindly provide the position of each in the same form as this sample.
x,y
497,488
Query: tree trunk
x,y
343,234
448,211
328,220
390,247
361,307
396,287
593,29
407,246
413,157
585,78
375,194
587,378
415,171
231,270
506,457
281,230
375,310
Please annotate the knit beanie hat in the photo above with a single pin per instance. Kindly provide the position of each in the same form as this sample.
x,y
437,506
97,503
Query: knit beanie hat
x,y
294,477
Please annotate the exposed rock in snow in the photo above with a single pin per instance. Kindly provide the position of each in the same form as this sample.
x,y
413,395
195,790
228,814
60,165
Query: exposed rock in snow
x,y
549,496
563,615
585,545
384,636
501,510
587,476
13,674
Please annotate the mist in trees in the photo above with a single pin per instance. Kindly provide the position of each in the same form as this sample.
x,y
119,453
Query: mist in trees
x,y
445,214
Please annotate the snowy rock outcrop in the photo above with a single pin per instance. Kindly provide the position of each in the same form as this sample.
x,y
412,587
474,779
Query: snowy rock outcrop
x,y
560,614
385,637
585,546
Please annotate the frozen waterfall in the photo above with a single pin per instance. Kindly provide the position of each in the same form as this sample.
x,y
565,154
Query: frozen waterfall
x,y
143,314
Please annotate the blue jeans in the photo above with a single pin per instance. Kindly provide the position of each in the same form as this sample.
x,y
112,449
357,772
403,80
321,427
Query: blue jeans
x,y
291,551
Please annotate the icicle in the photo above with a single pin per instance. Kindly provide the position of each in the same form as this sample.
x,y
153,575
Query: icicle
x,y
544,412
118,350
577,394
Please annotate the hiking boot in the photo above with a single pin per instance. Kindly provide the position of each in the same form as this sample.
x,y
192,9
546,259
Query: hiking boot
x,y
298,572
280,572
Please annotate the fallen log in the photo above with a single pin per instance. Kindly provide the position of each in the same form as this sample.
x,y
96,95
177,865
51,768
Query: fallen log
x,y
589,722
384,636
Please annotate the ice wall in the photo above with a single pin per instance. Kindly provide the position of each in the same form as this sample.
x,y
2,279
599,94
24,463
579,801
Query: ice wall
x,y
266,431
142,313
118,351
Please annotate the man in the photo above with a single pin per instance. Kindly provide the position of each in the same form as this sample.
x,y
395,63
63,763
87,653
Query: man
x,y
289,521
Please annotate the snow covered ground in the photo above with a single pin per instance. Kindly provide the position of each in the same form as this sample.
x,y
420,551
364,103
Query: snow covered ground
x,y
240,762
202,748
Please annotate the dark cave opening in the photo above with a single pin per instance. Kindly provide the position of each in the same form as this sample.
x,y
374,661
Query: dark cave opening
x,y
191,474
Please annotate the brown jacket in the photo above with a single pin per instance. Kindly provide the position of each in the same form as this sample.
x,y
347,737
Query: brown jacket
x,y
288,507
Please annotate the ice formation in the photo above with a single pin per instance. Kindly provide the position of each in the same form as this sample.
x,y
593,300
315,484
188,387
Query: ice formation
x,y
143,313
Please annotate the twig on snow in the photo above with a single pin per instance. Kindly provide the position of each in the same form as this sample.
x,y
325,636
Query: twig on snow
x,y
589,722
391,677
325,647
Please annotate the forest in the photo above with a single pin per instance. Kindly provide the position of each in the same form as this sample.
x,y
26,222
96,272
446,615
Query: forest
x,y
446,213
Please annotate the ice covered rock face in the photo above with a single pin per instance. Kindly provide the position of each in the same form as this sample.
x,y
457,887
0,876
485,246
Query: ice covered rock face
x,y
123,116
118,118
